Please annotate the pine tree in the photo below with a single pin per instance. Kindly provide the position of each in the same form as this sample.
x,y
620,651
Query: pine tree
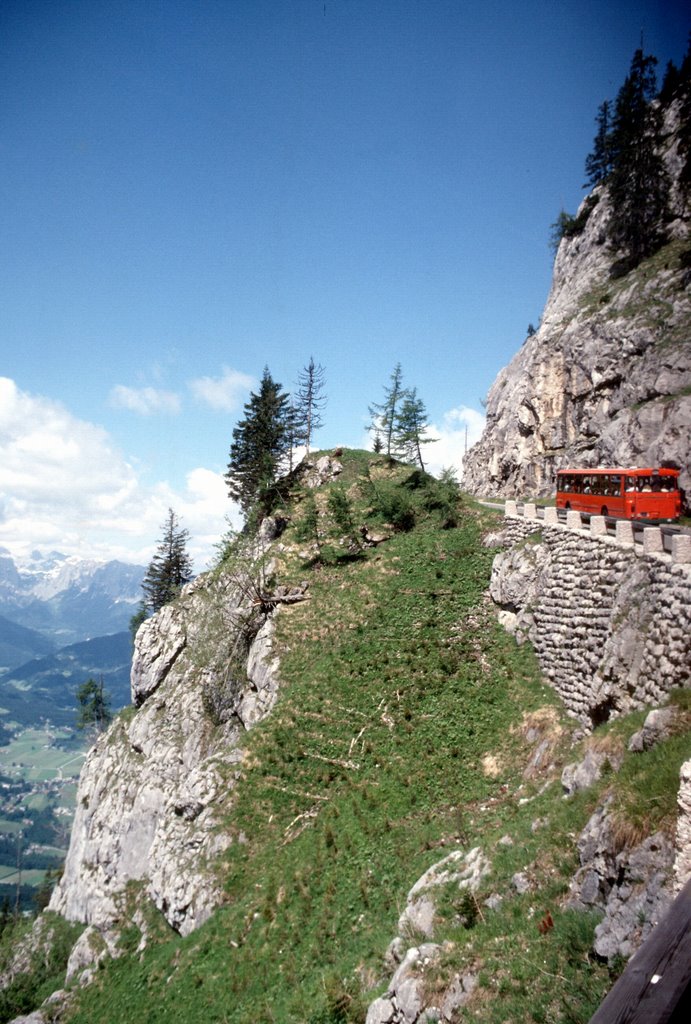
x,y
310,401
684,95
411,426
170,568
384,415
670,83
341,510
293,431
638,184
93,706
598,164
137,619
261,443
307,529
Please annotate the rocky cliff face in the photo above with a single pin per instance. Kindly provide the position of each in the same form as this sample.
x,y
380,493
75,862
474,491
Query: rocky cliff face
x,y
155,786
606,380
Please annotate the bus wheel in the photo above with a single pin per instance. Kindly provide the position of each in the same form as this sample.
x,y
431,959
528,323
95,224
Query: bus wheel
x,y
567,506
603,511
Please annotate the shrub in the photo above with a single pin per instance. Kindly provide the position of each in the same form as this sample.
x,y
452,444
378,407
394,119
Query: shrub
x,y
394,506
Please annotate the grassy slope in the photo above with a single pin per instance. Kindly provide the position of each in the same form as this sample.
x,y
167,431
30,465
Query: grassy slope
x,y
399,685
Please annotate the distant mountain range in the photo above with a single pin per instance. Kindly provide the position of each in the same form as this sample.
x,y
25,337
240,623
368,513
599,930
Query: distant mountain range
x,y
45,688
62,620
50,601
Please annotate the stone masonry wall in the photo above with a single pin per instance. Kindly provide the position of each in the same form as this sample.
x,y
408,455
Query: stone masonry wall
x,y
610,621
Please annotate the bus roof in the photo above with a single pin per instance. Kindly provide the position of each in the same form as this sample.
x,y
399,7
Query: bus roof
x,y
649,471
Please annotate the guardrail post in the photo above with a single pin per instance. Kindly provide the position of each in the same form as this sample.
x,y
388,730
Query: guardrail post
x,y
681,548
573,520
551,516
510,507
624,533
598,526
652,540
530,510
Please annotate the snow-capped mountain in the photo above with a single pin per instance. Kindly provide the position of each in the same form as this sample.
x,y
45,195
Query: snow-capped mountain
x,y
68,599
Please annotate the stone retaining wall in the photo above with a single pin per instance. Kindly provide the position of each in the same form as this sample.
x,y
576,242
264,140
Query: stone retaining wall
x,y
610,621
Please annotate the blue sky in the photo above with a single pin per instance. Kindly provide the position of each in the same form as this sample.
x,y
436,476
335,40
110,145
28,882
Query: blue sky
x,y
193,190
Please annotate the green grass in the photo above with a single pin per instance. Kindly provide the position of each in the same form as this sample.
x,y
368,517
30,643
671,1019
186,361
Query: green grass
x,y
33,755
28,990
651,307
400,734
9,876
10,827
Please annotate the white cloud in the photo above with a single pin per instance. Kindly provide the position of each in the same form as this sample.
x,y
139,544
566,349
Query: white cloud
x,y
460,429
145,401
65,485
225,393
204,509
450,440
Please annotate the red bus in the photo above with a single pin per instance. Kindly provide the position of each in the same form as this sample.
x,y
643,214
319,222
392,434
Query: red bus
x,y
627,493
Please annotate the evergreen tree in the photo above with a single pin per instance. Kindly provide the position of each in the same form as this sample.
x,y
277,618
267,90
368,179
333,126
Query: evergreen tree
x,y
341,510
293,431
598,164
310,401
307,528
170,568
684,95
384,415
137,619
410,428
260,445
638,185
562,226
93,706
670,83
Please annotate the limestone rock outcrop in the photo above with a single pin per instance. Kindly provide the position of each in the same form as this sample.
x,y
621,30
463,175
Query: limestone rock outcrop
x,y
606,379
409,999
682,864
154,786
633,887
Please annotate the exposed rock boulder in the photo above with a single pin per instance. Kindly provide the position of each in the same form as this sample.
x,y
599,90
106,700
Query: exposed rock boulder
x,y
516,582
463,870
633,887
682,863
585,773
325,469
656,728
91,947
409,997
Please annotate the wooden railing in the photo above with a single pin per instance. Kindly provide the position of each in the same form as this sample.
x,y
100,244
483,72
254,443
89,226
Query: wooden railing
x,y
655,987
